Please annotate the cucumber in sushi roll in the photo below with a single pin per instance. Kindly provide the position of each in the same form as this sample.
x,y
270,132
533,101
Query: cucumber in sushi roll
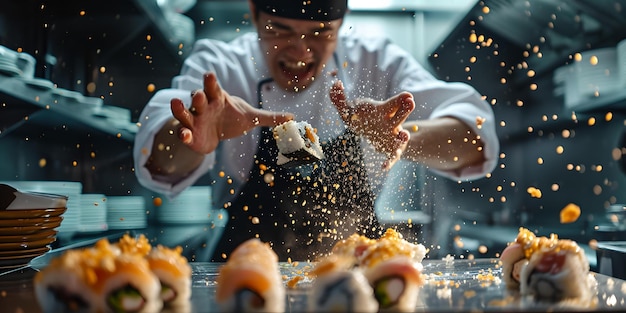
x,y
396,283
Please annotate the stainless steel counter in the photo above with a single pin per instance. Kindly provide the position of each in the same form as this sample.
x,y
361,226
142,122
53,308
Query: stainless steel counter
x,y
458,285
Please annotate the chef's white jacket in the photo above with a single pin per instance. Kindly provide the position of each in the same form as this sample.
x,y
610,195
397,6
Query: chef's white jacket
x,y
369,67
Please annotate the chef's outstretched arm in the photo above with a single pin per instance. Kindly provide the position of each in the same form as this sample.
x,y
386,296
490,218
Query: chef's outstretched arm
x,y
444,143
214,115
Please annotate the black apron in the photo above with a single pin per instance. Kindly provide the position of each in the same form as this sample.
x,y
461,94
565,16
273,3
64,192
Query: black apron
x,y
302,212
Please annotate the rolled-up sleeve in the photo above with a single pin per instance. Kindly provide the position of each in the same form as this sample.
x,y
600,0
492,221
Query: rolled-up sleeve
x,y
436,98
152,118
466,105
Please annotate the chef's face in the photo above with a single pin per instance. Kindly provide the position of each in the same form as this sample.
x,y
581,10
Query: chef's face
x,y
296,50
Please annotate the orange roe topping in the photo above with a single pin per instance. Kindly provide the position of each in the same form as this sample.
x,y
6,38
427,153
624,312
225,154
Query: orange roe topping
x,y
128,244
531,243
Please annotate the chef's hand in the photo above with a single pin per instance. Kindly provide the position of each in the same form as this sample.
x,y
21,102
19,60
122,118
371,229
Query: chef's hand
x,y
215,115
380,122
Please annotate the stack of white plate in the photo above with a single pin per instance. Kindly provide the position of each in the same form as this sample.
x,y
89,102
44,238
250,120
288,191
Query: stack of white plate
x,y
192,206
73,190
93,213
126,212
621,62
8,62
594,76
597,72
13,63
182,26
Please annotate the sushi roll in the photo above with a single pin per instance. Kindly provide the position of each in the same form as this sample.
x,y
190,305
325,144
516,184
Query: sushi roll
x,y
337,287
250,280
396,283
297,143
547,268
128,286
517,253
556,272
98,279
62,286
393,269
171,268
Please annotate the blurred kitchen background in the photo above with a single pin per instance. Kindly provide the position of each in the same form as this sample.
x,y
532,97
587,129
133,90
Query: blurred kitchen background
x,y
74,76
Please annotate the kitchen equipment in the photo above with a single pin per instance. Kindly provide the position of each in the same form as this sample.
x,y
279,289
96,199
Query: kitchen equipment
x,y
28,223
616,215
72,190
191,206
8,62
612,258
126,212
93,213
621,62
12,199
594,75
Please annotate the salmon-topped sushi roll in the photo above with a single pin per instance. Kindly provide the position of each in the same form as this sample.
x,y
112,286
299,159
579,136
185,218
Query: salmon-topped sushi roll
x,y
396,283
393,268
174,273
558,272
127,286
62,286
250,280
168,264
547,268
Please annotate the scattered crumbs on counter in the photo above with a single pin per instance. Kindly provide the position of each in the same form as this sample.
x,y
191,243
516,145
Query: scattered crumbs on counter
x,y
501,302
487,278
293,282
469,294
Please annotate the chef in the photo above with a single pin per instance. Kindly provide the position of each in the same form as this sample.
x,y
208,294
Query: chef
x,y
371,103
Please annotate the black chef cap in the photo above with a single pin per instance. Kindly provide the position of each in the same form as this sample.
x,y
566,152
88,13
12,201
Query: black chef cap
x,y
315,10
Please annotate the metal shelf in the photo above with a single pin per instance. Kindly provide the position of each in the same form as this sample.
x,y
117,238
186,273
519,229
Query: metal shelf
x,y
23,105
